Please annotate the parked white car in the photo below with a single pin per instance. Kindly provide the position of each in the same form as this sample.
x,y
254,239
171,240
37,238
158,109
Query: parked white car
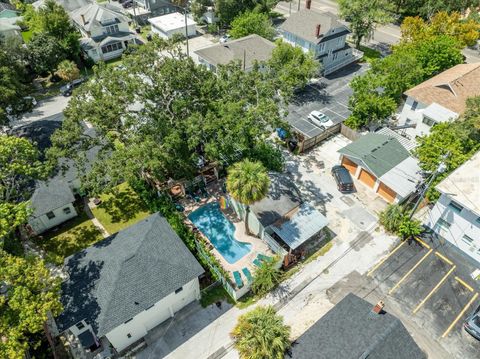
x,y
320,119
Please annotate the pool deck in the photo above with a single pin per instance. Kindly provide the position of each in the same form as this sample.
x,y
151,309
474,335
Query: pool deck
x,y
258,245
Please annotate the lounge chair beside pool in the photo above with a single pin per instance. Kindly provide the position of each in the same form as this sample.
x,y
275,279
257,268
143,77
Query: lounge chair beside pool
x,y
263,257
247,274
238,279
257,262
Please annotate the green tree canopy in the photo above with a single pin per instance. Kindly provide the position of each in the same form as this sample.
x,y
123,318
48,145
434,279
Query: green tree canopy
x,y
158,116
392,217
227,10
67,70
247,183
266,277
409,228
44,53
250,23
364,16
261,334
292,67
19,165
428,8
32,293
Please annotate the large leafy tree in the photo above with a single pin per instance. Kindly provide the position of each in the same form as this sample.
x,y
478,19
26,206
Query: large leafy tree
x,y
292,67
51,19
31,294
261,334
44,53
247,183
158,116
266,277
250,23
364,16
19,165
409,228
227,10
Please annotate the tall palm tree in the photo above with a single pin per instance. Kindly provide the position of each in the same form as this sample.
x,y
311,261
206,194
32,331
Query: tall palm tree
x,y
247,183
261,334
266,277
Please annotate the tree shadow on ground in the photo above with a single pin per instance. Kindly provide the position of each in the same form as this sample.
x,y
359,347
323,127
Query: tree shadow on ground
x,y
316,92
122,206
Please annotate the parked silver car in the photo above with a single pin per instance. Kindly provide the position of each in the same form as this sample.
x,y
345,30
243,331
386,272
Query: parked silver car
x,y
320,119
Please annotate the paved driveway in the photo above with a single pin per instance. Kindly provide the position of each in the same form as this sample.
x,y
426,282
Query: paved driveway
x,y
50,109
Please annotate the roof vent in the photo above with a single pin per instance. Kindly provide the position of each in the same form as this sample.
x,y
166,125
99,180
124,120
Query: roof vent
x,y
136,303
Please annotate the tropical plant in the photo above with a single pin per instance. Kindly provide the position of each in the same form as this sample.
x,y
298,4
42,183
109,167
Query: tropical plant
x,y
67,70
392,217
261,334
247,183
266,277
409,227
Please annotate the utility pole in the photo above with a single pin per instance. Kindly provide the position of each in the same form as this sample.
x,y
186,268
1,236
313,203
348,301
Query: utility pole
x,y
298,5
440,169
186,30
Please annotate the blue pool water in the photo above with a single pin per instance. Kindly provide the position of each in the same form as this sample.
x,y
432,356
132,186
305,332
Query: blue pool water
x,y
219,230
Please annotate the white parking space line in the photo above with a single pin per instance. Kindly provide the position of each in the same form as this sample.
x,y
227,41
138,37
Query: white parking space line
x,y
336,113
341,104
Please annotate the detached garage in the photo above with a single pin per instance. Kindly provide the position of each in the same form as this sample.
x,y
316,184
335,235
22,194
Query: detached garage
x,y
381,163
166,26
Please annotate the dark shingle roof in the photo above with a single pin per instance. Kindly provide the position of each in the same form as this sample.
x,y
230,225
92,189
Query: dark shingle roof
x,y
120,276
6,6
304,24
351,330
251,48
49,196
283,196
379,153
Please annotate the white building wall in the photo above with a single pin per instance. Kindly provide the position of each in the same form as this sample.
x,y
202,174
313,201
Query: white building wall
x,y
460,225
42,223
138,327
191,31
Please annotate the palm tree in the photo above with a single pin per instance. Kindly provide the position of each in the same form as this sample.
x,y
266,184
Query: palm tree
x,y
261,334
247,183
410,227
265,277
67,70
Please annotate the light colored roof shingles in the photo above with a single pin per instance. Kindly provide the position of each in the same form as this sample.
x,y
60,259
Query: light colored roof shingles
x,y
451,88
49,196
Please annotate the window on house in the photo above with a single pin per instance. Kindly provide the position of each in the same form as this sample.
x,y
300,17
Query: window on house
x,y
467,239
67,210
428,121
50,215
112,47
443,224
478,220
455,207
129,335
112,29
178,290
414,105
80,325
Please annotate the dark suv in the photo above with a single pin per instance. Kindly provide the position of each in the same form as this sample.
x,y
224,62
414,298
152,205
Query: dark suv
x,y
472,324
68,88
343,179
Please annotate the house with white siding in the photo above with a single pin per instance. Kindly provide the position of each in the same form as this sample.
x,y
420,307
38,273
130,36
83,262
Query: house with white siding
x,y
456,215
323,35
120,288
105,32
442,98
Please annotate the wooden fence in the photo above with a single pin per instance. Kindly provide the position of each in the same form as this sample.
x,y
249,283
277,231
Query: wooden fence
x,y
311,142
349,133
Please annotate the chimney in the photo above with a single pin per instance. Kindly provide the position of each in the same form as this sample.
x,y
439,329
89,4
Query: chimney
x,y
83,19
378,308
308,4
317,30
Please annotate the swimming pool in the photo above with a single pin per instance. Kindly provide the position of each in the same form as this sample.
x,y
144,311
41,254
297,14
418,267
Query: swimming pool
x,y
219,231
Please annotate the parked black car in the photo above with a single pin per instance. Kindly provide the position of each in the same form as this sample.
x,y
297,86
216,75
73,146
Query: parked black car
x,y
127,4
472,324
68,88
343,179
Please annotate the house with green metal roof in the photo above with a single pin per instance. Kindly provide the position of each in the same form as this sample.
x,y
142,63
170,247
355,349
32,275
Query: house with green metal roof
x,y
383,164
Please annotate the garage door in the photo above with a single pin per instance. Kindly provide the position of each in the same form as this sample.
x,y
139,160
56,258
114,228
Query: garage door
x,y
349,165
367,178
386,192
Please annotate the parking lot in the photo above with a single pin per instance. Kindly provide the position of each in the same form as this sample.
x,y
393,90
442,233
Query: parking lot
x,y
329,95
432,291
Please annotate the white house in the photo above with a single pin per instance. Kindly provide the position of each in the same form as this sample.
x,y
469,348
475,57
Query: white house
x,y
456,215
439,99
105,32
125,285
247,50
323,35
174,23
52,204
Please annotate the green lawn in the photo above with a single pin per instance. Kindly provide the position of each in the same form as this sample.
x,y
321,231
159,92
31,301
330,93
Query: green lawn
x,y
26,35
369,54
71,237
114,62
120,209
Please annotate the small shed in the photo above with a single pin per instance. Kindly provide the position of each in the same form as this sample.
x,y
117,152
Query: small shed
x,y
166,26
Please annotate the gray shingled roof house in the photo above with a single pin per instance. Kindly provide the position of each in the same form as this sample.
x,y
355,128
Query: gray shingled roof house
x,y
352,330
133,279
52,204
381,162
247,50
